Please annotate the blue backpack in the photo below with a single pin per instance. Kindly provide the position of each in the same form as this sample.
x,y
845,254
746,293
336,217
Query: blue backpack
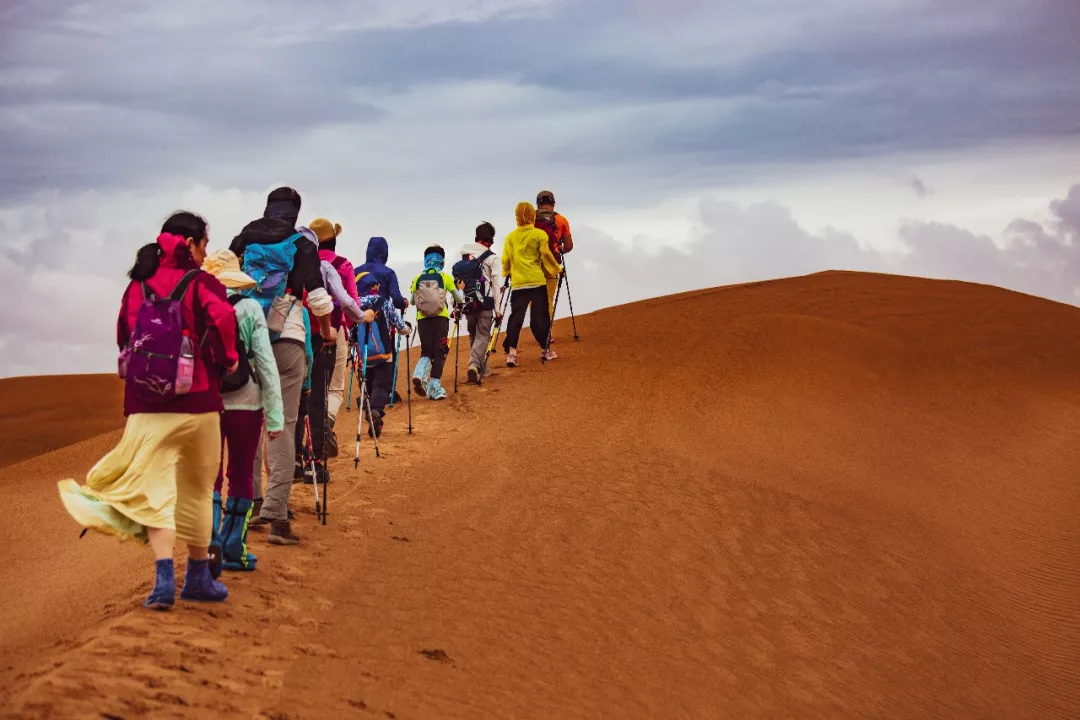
x,y
369,338
269,266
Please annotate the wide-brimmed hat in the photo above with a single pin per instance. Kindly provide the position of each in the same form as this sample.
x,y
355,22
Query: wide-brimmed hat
x,y
324,229
225,266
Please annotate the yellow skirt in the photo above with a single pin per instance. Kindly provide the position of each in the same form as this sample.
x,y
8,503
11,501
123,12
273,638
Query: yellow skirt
x,y
160,475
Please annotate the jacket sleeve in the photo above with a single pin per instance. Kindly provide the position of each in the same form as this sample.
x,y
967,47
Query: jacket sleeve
x,y
565,238
123,328
265,368
495,280
508,257
392,315
340,293
451,285
221,317
307,268
551,266
348,278
395,292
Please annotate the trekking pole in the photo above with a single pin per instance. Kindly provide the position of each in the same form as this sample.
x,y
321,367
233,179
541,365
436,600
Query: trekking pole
x,y
408,373
496,327
569,297
311,452
457,346
350,365
397,347
326,432
551,325
360,401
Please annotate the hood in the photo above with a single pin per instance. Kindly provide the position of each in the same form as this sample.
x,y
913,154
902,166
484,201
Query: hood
x,y
170,244
475,249
525,214
378,251
283,210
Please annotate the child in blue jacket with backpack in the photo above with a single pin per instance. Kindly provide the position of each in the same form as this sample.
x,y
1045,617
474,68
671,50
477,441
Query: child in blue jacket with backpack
x,y
374,346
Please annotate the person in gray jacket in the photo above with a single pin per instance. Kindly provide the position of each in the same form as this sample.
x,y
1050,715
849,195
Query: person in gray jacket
x,y
481,324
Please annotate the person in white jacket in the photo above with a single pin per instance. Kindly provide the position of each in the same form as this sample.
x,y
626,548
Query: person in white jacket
x,y
483,323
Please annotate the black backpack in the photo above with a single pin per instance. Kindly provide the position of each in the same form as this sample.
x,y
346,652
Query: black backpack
x,y
244,372
471,273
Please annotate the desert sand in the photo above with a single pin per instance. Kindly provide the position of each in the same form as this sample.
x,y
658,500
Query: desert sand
x,y
841,495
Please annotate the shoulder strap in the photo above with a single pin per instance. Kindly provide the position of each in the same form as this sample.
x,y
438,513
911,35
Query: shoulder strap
x,y
337,262
147,292
181,287
484,256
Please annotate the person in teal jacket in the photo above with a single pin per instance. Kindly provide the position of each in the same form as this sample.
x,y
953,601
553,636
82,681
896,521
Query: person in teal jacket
x,y
250,396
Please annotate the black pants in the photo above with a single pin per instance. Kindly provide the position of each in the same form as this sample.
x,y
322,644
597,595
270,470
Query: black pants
x,y
434,342
322,369
379,378
539,322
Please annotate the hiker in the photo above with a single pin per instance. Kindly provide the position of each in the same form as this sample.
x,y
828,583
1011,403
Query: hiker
x,y
479,271
327,235
286,266
429,291
176,333
249,395
561,241
337,274
378,251
374,337
528,262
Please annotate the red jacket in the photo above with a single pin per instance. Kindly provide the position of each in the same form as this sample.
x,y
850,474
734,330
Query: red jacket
x,y
206,311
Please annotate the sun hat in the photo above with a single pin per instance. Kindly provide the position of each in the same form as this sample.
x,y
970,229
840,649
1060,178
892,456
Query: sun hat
x,y
225,266
324,229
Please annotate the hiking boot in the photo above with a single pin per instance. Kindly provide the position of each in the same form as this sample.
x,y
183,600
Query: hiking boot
x,y
281,533
511,357
298,467
474,375
215,539
199,586
163,595
234,552
377,424
420,376
548,354
436,390
331,440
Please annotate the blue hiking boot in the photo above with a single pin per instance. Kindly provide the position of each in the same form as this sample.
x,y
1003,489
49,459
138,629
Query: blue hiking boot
x,y
234,552
215,539
435,390
163,595
199,586
420,376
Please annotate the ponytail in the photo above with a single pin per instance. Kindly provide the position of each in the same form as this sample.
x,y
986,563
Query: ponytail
x,y
146,262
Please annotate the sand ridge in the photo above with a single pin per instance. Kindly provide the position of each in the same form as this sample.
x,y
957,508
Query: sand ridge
x,y
843,495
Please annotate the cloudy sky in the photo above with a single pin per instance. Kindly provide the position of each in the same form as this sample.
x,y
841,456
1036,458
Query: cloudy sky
x,y
691,143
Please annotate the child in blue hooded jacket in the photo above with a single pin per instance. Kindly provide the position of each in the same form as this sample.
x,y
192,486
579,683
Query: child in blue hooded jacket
x,y
429,291
375,338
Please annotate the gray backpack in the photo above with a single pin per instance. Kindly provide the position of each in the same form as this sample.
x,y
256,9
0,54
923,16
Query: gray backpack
x,y
430,294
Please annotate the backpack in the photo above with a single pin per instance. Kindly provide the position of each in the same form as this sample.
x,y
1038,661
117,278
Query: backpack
x,y
269,266
471,272
244,371
430,294
545,220
369,337
158,363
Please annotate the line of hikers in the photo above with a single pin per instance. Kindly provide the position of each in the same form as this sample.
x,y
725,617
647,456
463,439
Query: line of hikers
x,y
236,360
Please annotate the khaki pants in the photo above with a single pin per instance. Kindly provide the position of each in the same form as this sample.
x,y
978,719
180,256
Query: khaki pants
x,y
292,367
337,381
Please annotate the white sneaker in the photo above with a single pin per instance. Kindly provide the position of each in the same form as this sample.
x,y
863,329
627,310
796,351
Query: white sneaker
x,y
549,354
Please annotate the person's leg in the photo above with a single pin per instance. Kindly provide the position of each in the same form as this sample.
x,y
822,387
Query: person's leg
x,y
321,371
480,331
428,346
380,377
440,328
245,434
200,437
539,317
337,381
292,367
519,304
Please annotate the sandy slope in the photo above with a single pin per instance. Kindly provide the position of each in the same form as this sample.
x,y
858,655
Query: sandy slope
x,y
843,495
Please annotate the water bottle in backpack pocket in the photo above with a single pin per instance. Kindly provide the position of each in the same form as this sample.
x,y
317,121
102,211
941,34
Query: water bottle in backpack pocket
x,y
158,363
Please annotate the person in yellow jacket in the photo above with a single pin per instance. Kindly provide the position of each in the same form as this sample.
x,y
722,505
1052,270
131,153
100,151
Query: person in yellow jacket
x,y
528,262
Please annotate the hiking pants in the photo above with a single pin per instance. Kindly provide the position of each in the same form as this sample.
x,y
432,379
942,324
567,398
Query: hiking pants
x,y
241,431
379,378
337,381
480,330
322,369
292,367
434,342
539,320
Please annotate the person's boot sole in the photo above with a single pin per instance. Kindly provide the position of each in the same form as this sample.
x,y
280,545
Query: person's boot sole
x,y
418,387
279,540
474,376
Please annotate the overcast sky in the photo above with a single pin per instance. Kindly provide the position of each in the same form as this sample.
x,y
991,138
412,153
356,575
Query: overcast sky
x,y
691,143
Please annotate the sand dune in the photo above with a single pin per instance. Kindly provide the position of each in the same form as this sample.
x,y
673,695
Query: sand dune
x,y
843,495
